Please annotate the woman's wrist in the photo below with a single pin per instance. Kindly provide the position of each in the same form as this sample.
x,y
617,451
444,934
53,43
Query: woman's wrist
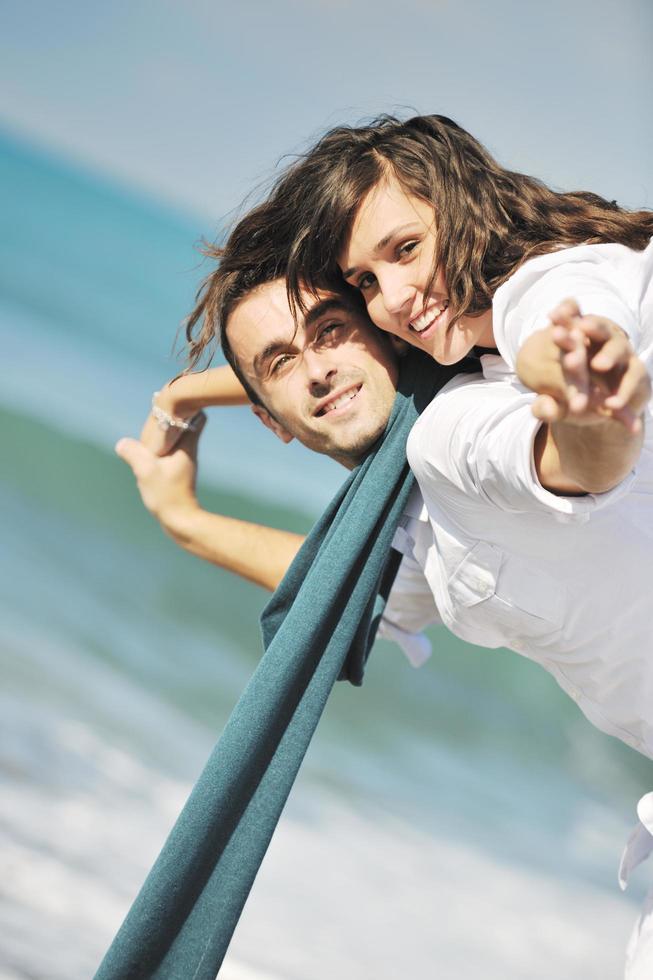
x,y
538,362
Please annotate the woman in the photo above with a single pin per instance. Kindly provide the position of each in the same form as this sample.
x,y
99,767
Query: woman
x,y
540,537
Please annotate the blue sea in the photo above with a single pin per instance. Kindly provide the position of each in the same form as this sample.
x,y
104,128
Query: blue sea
x,y
457,821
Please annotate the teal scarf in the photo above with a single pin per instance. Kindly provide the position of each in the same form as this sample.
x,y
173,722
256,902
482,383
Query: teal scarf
x,y
318,626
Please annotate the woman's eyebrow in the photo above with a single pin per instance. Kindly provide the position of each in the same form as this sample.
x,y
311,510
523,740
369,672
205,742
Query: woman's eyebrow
x,y
380,245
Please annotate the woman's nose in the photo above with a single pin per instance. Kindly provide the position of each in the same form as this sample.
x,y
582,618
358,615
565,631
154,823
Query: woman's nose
x,y
398,294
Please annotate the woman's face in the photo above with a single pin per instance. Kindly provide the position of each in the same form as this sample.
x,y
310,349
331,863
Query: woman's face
x,y
389,257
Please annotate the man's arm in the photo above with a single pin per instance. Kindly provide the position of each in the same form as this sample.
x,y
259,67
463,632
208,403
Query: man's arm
x,y
592,392
167,487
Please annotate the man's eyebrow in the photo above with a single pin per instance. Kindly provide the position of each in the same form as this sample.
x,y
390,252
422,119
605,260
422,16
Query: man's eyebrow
x,y
380,245
323,307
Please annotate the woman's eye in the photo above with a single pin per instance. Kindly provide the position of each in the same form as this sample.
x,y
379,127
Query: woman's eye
x,y
365,281
407,249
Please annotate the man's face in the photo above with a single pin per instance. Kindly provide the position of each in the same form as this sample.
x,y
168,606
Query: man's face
x,y
329,382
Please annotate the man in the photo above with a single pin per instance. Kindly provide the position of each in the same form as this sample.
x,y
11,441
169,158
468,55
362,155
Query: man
x,y
328,382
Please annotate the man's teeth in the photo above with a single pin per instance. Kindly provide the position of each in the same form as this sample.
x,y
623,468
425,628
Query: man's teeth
x,y
340,400
426,319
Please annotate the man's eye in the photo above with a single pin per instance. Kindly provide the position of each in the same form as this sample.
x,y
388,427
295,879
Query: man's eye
x,y
280,363
365,281
328,329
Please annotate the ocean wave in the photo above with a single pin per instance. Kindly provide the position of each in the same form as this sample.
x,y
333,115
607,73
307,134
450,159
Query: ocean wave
x,y
344,891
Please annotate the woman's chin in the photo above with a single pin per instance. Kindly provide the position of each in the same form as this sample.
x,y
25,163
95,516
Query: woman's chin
x,y
445,353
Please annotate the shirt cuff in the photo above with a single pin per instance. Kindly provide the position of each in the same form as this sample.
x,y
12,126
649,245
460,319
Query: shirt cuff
x,y
416,646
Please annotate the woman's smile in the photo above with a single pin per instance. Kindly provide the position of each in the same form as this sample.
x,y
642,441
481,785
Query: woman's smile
x,y
429,320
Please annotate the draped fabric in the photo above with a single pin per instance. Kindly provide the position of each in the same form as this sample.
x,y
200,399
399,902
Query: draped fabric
x,y
318,627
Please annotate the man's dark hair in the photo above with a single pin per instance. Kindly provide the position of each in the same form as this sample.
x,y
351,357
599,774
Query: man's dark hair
x,y
255,253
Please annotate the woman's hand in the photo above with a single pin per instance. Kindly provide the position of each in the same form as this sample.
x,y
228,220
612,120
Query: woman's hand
x,y
592,390
585,371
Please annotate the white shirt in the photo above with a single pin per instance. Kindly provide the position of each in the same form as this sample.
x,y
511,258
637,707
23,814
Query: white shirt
x,y
605,280
410,607
561,580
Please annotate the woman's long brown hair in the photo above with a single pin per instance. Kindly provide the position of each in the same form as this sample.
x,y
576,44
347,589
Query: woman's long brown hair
x,y
489,220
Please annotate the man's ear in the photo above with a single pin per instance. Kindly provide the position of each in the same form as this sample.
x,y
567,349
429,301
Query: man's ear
x,y
271,423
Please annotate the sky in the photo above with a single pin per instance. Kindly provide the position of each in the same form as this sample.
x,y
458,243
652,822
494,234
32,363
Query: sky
x,y
194,103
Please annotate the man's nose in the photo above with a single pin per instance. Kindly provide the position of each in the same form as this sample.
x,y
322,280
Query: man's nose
x,y
320,372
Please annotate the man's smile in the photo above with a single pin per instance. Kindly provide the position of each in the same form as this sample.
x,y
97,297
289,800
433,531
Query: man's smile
x,y
338,403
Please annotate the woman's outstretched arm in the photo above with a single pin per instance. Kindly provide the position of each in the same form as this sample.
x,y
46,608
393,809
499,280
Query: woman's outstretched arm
x,y
592,392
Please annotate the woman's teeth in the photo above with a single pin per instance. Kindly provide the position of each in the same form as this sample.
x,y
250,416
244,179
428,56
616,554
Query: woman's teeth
x,y
426,319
